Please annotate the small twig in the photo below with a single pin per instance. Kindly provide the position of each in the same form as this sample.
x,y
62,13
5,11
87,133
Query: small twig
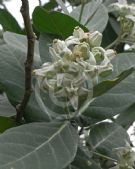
x,y
4,6
81,12
92,149
29,60
40,3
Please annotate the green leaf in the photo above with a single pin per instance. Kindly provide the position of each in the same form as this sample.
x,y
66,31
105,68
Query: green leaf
x,y
8,22
1,88
6,123
12,79
109,2
83,161
104,86
127,117
12,71
54,22
13,56
6,109
38,145
105,137
19,42
50,5
120,97
106,40
115,24
50,105
94,15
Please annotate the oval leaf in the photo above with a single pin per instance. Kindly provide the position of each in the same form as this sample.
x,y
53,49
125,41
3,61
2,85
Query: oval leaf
x,y
105,137
127,117
104,86
6,109
38,146
94,15
20,42
6,123
8,22
83,161
12,79
54,22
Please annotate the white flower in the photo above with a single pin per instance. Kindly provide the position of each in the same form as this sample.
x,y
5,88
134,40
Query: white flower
x,y
126,157
79,33
126,18
95,39
55,56
71,40
76,65
60,47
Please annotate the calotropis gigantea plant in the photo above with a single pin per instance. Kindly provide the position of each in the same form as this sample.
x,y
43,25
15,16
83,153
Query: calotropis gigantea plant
x,y
74,98
77,63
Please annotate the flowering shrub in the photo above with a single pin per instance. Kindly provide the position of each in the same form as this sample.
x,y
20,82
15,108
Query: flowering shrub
x,y
72,103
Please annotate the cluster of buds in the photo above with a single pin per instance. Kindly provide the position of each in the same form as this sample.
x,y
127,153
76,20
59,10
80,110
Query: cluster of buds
x,y
126,17
126,157
76,65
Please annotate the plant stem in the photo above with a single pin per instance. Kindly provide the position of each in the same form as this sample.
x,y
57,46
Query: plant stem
x,y
40,3
29,60
4,6
104,156
92,149
81,12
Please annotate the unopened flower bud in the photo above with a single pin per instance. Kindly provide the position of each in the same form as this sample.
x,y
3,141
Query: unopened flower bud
x,y
54,55
92,59
84,48
58,45
79,33
98,55
95,39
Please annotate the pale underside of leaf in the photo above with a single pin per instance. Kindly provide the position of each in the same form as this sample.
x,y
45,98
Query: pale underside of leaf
x,y
38,146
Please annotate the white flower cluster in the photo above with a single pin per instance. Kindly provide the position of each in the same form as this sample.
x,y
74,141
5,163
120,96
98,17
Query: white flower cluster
x,y
126,158
76,65
126,17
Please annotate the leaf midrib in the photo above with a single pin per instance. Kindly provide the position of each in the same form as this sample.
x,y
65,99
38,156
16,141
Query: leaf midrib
x,y
104,139
37,148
